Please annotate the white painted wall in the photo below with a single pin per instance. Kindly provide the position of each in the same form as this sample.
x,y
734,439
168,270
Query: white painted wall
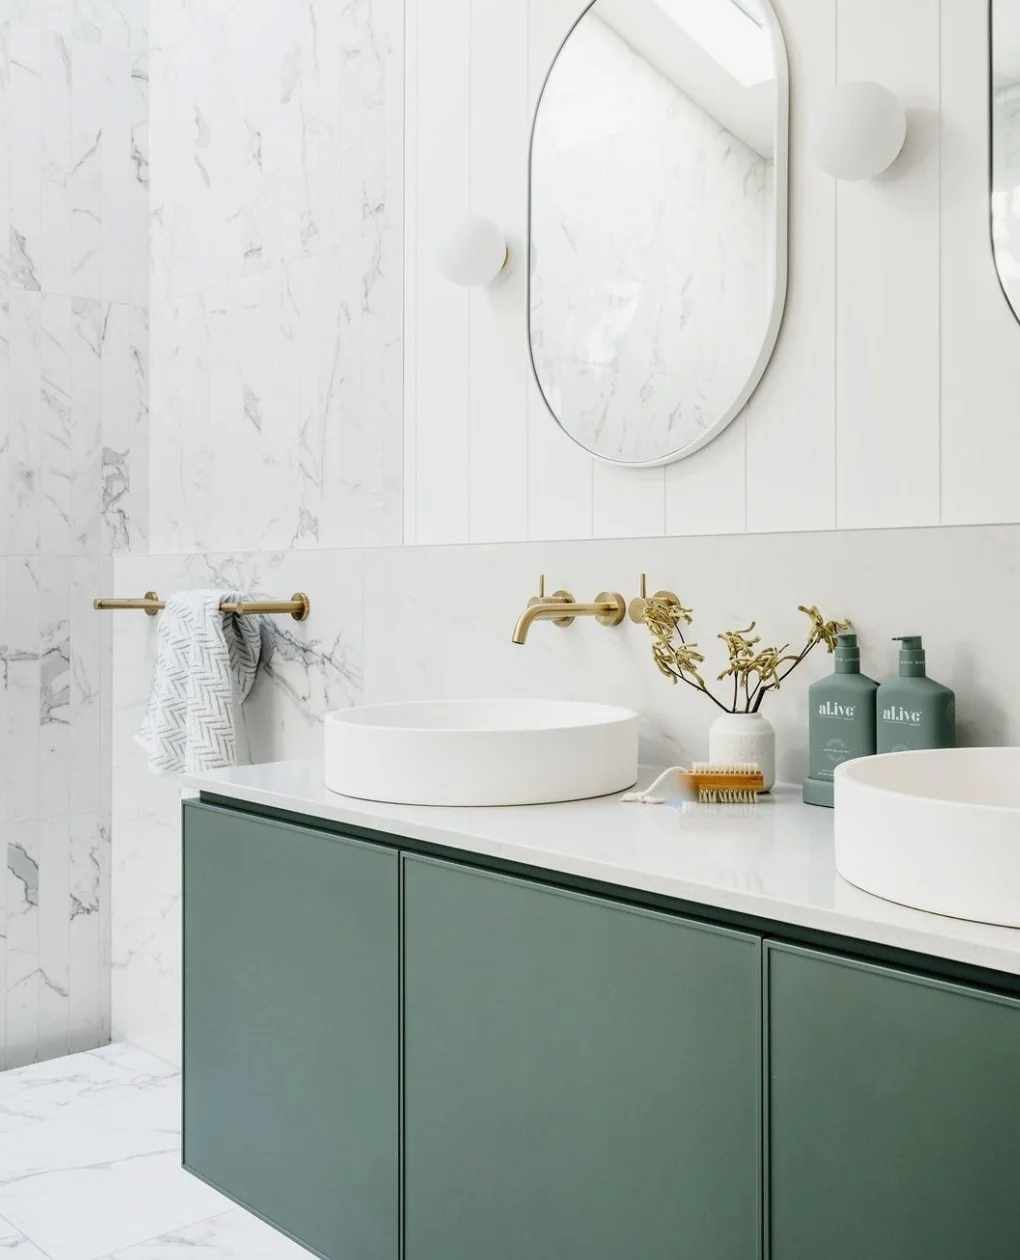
x,y
891,396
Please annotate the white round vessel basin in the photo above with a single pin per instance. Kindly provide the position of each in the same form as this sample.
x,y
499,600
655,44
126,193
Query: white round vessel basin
x,y
938,830
481,752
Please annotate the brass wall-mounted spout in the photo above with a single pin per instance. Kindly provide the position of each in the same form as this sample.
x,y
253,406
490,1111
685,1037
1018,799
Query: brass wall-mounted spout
x,y
609,609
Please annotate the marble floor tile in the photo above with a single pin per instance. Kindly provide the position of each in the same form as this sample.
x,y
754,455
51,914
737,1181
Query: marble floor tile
x,y
90,1168
233,1235
45,1091
15,1246
103,1177
130,1059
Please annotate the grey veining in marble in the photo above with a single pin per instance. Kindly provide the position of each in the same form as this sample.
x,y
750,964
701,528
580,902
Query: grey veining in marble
x,y
73,487
90,1155
309,668
277,263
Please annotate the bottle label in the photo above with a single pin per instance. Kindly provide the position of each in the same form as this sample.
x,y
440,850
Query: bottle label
x,y
901,716
833,709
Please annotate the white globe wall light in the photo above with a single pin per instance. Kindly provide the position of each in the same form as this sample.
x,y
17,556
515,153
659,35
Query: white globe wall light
x,y
473,252
858,132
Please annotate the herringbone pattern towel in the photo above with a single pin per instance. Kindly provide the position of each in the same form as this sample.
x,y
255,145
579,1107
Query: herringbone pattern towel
x,y
205,667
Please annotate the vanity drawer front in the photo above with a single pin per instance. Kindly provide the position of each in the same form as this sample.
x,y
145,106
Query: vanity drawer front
x,y
894,1114
291,1027
581,1078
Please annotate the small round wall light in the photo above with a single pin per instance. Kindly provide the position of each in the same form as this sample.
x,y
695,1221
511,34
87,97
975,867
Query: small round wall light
x,y
858,132
473,252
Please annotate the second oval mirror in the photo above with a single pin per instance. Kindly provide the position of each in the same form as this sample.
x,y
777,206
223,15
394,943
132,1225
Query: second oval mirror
x,y
658,222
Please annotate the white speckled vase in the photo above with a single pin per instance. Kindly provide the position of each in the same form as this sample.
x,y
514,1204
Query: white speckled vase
x,y
736,737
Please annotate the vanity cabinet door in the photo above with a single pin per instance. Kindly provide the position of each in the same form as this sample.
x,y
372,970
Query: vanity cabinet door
x,y
894,1114
581,1079
291,1027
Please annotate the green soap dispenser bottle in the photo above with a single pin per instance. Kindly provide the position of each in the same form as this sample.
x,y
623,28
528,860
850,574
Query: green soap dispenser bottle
x,y
841,720
914,711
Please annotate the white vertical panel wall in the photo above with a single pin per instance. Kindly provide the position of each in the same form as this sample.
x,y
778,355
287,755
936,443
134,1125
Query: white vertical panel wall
x,y
887,281
980,354
891,397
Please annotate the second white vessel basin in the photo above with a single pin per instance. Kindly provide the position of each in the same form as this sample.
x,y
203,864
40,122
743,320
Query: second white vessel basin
x,y
937,830
481,752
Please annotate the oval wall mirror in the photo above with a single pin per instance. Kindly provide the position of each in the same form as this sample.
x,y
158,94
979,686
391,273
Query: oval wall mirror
x,y
658,222
1005,166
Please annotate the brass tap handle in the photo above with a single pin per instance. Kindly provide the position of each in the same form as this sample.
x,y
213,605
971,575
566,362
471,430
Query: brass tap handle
x,y
557,597
639,606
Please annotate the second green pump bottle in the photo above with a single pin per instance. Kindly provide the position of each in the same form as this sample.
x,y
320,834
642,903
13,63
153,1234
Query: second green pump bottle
x,y
850,715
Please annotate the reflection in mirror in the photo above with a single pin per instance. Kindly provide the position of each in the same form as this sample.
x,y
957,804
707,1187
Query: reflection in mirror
x,y
1006,146
658,222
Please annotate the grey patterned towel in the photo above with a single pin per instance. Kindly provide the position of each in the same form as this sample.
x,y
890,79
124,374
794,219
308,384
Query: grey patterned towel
x,y
205,667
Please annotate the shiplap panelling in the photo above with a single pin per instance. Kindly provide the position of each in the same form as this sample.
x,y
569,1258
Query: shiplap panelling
x,y
791,419
709,495
440,167
498,152
890,397
980,360
887,281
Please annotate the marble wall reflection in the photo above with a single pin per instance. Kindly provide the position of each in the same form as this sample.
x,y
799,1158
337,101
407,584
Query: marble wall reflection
x,y
276,251
73,488
1006,189
651,288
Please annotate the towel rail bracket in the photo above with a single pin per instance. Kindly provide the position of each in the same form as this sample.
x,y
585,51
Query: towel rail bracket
x,y
298,606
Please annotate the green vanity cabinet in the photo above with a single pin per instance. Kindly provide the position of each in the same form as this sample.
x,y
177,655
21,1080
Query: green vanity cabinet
x,y
291,1027
394,1054
581,1077
893,1114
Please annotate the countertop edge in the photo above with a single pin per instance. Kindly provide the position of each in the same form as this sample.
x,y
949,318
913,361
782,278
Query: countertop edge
x,y
921,937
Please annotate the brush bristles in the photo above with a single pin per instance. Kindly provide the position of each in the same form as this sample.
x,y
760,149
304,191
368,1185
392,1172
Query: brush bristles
x,y
737,767
727,796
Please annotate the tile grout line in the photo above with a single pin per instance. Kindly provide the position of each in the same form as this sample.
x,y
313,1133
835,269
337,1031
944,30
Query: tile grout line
x,y
166,1234
21,1234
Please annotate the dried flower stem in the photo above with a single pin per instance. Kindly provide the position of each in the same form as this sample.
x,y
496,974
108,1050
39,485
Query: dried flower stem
x,y
679,660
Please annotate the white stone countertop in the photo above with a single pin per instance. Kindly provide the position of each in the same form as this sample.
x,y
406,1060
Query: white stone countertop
x,y
773,860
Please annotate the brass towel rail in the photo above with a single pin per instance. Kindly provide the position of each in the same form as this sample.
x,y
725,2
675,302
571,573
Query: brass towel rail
x,y
299,605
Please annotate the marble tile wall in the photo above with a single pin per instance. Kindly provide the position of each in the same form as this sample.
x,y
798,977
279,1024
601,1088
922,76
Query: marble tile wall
x,y
275,392
73,488
309,668
277,285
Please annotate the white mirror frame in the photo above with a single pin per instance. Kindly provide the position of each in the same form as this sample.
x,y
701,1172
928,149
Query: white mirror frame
x,y
782,198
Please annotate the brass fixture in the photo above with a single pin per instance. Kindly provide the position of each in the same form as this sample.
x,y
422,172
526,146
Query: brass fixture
x,y
299,606
609,609
639,606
